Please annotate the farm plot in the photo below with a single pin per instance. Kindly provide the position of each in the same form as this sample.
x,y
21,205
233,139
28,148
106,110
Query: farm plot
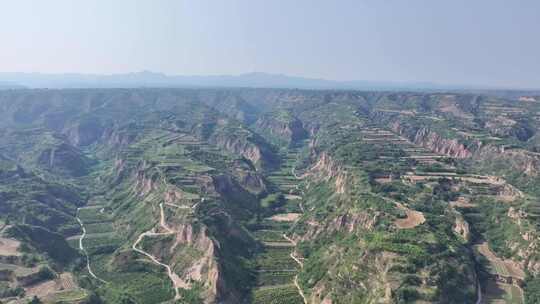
x,y
101,242
19,270
276,258
93,214
9,247
102,227
281,294
69,296
264,235
275,269
412,218
270,278
500,293
498,266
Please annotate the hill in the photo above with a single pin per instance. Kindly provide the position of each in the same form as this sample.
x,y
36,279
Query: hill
x,y
268,196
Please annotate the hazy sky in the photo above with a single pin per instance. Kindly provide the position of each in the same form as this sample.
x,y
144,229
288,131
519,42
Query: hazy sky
x,y
482,42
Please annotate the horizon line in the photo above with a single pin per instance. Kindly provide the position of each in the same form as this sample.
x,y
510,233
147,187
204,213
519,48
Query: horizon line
x,y
340,84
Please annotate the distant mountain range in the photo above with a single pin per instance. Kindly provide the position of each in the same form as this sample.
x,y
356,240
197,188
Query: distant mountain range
x,y
9,85
250,80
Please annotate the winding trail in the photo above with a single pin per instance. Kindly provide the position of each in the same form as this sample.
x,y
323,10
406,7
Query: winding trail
x,y
297,260
479,292
81,247
177,281
292,255
300,289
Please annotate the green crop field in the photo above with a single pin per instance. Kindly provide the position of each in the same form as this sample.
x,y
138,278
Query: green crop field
x,y
93,215
102,227
284,294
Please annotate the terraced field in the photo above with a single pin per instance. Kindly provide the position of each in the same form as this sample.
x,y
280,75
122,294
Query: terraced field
x,y
178,161
180,179
500,267
417,165
501,293
275,266
98,236
16,275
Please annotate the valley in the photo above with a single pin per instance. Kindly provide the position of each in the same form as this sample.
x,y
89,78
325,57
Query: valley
x,y
268,196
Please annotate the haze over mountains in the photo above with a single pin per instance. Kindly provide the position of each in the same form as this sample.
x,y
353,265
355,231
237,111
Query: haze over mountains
x,y
256,79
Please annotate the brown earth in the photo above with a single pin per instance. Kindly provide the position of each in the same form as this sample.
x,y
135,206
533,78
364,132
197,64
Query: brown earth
x,y
9,247
63,283
413,219
286,217
501,266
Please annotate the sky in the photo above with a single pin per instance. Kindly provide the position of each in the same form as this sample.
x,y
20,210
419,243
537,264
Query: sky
x,y
480,42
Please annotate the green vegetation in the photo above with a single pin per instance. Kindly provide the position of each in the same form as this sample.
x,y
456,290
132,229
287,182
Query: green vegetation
x,y
369,186
7,292
532,290
42,240
489,221
279,294
72,296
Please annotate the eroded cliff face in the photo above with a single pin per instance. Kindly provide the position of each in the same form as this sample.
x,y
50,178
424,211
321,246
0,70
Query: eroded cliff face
x,y
118,137
355,223
520,160
504,126
493,159
526,250
183,240
461,227
249,180
145,182
349,223
240,145
84,133
377,289
432,140
327,169
192,254
285,130
64,158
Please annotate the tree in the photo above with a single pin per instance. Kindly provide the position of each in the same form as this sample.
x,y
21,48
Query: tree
x,y
532,290
35,300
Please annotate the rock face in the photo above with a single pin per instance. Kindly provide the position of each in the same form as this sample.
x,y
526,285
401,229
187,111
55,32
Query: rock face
x,y
519,160
461,227
327,169
84,133
250,181
63,158
351,223
258,155
192,255
506,127
285,130
493,159
525,250
242,147
187,245
117,137
431,140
